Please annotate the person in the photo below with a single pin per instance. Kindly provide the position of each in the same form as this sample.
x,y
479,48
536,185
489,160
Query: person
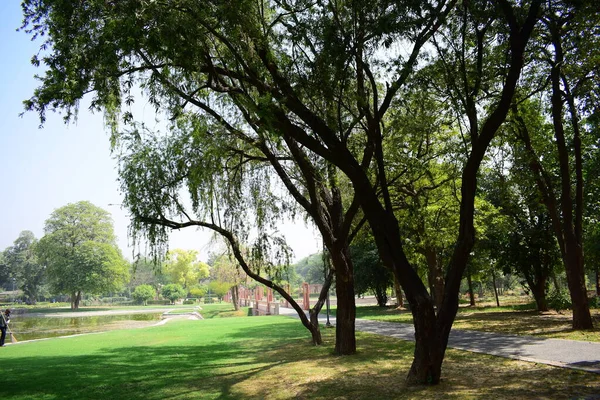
x,y
4,325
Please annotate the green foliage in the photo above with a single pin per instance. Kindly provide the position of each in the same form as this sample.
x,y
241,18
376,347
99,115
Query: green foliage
x,y
559,300
143,293
22,261
219,288
310,269
173,292
227,271
182,267
369,272
145,271
80,253
198,291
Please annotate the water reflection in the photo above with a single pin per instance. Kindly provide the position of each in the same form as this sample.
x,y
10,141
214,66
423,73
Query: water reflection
x,y
30,327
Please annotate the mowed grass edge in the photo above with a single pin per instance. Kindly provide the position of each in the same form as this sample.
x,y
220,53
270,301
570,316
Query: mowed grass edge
x,y
259,358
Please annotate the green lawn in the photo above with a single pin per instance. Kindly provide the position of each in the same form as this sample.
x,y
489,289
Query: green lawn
x,y
258,358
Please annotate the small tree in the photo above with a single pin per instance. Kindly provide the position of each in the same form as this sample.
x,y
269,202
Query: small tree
x,y
22,261
182,267
219,288
143,293
198,291
173,292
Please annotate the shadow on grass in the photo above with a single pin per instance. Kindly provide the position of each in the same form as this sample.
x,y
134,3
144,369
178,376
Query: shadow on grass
x,y
131,373
270,360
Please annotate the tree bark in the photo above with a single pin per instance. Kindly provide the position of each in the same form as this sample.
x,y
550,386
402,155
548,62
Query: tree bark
x,y
539,294
597,280
398,290
75,299
235,297
495,288
345,335
435,276
570,225
470,284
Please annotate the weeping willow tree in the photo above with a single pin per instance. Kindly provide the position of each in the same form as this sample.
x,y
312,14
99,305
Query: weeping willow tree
x,y
191,177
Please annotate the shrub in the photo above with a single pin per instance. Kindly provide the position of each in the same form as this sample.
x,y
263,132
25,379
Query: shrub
x,y
113,300
158,302
595,302
143,293
173,292
559,300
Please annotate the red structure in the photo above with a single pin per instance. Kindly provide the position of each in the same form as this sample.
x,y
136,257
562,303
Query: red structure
x,y
305,296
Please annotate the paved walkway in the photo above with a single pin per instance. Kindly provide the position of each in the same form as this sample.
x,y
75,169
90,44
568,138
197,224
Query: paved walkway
x,y
557,352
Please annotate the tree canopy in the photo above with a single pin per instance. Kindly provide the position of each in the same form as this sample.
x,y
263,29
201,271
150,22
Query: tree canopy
x,y
21,259
321,94
80,253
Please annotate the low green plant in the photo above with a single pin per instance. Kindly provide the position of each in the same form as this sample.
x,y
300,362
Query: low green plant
x,y
143,293
160,302
559,300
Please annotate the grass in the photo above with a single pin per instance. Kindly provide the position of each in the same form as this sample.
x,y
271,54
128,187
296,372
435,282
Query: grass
x,y
209,311
519,319
258,358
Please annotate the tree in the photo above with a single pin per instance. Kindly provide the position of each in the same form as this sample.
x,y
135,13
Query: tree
x,y
22,260
225,271
305,76
369,273
173,292
311,268
4,271
219,288
570,86
80,252
145,271
519,237
182,267
143,293
199,291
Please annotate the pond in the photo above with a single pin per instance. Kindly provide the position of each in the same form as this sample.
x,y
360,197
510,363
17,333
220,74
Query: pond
x,y
28,327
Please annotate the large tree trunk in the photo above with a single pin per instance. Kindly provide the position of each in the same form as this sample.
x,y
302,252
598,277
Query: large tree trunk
x,y
430,346
345,337
582,319
572,209
538,289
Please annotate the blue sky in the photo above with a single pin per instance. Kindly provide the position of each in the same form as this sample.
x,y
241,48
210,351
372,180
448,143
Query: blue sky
x,y
44,169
